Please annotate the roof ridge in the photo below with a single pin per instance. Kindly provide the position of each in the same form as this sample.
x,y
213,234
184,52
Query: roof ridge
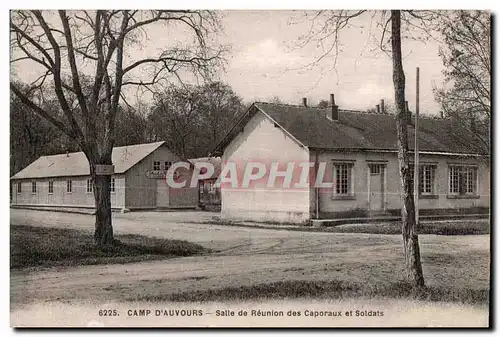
x,y
366,112
114,147
290,105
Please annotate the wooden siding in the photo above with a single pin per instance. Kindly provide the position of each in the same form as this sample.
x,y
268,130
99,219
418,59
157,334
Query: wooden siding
x,y
141,190
77,198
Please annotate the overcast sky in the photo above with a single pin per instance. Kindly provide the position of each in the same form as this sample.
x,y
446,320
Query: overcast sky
x,y
263,63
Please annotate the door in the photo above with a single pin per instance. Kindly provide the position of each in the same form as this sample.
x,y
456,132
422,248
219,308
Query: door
x,y
376,195
162,198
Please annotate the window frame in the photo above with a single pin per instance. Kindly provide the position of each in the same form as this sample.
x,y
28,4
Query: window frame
x,y
112,185
165,165
156,165
19,188
51,187
336,165
91,184
422,167
378,171
463,180
33,187
69,183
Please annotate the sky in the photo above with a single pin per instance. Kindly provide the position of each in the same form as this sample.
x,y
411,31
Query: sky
x,y
265,62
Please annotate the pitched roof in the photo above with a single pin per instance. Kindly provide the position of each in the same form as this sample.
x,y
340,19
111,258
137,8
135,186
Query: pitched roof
x,y
76,163
215,161
357,130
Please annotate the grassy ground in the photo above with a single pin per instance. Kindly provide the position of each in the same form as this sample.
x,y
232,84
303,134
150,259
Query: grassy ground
x,y
293,289
47,247
457,227
452,227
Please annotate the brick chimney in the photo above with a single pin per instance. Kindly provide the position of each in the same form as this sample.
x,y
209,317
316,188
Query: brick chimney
x,y
382,106
378,108
335,108
304,102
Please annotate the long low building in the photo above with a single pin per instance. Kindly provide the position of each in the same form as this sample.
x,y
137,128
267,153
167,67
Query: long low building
x,y
361,172
64,180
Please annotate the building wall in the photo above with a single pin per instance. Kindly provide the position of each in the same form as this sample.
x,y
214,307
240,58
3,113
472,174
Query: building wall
x,y
360,201
77,198
133,190
261,141
142,191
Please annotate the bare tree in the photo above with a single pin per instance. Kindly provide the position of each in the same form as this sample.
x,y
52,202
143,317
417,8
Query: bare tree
x,y
410,236
64,47
324,32
466,94
193,119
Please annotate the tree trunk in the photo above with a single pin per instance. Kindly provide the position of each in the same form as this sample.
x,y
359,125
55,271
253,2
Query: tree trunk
x,y
410,236
103,234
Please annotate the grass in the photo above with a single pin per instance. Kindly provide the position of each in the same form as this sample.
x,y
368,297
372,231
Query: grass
x,y
47,247
452,227
469,227
339,290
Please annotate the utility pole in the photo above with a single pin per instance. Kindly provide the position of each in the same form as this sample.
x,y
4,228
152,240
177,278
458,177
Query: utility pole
x,y
416,177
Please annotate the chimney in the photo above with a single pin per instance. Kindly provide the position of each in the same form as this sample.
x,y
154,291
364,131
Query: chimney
x,y
382,107
442,114
378,108
304,102
335,108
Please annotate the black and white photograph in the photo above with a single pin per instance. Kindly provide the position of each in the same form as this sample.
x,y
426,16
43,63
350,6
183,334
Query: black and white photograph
x,y
250,168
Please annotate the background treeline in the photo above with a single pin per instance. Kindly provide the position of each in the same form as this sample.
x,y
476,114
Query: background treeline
x,y
191,119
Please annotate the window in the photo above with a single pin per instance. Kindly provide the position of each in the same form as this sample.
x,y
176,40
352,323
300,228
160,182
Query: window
x,y
33,187
426,182
19,188
211,187
426,175
462,180
342,178
156,165
112,185
90,186
167,165
375,169
51,187
69,186
202,187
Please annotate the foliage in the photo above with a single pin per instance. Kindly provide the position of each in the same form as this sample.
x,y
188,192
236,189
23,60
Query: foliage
x,y
193,119
466,94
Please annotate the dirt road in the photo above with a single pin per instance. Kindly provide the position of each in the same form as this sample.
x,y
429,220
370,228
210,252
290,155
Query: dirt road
x,y
245,256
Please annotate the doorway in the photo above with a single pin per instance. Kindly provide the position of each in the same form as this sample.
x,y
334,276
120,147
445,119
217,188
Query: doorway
x,y
376,187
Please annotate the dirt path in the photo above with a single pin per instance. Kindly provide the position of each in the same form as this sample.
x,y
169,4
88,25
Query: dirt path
x,y
247,256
